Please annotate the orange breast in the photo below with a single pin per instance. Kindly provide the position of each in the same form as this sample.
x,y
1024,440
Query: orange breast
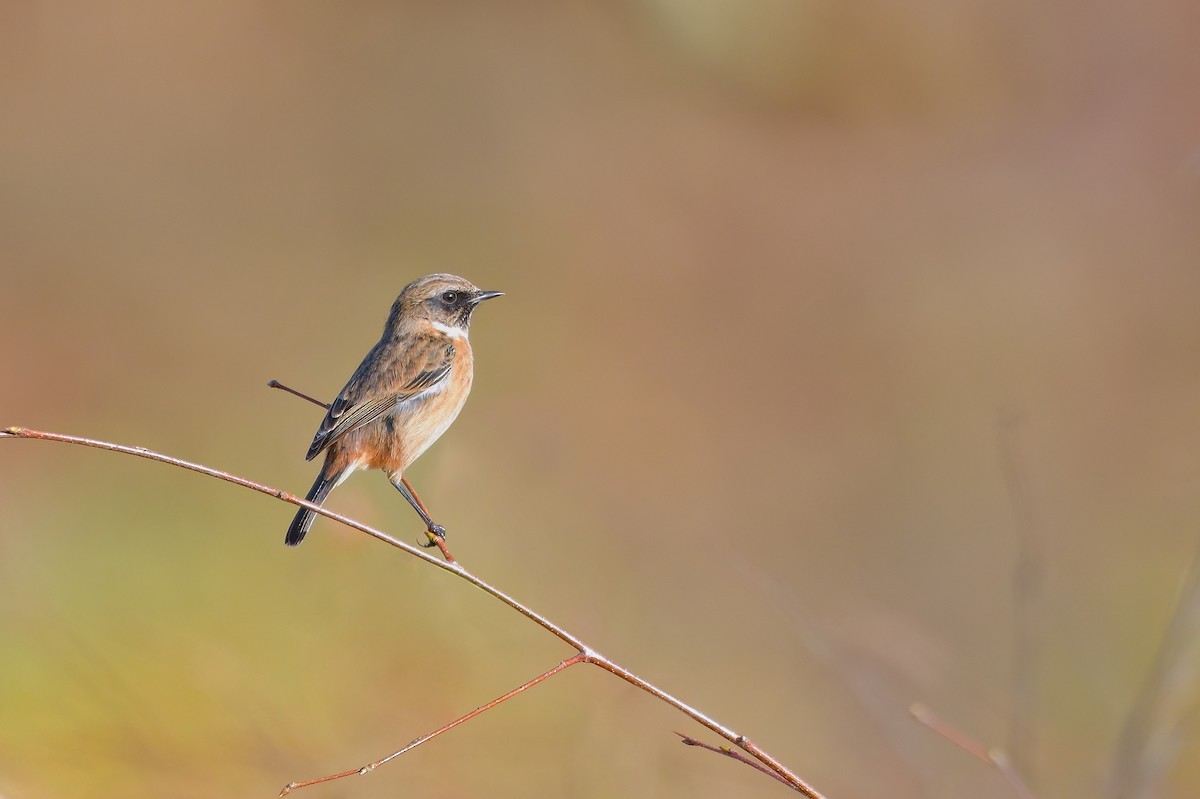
x,y
397,439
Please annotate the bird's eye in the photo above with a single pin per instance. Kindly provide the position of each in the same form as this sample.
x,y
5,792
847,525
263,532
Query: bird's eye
x,y
449,297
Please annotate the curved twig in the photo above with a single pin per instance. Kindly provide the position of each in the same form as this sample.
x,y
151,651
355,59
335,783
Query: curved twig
x,y
584,652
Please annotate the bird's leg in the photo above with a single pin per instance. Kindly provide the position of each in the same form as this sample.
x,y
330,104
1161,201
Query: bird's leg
x,y
435,531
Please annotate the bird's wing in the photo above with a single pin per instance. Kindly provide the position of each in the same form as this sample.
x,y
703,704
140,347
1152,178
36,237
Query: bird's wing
x,y
394,371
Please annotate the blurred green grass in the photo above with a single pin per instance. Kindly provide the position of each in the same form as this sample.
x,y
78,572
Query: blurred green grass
x,y
774,272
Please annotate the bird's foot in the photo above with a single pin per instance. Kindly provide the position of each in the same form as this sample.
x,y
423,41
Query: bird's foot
x,y
436,533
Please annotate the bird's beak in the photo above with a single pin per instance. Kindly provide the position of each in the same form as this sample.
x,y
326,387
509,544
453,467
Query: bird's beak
x,y
486,295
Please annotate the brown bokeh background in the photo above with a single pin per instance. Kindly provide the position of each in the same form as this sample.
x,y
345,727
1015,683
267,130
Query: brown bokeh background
x,y
780,276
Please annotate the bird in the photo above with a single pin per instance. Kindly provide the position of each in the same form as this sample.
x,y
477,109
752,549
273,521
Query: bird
x,y
404,395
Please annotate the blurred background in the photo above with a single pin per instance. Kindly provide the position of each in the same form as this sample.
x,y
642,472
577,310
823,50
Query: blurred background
x,y
820,319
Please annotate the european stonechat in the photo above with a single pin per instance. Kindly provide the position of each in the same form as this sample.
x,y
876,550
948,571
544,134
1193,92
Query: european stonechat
x,y
403,396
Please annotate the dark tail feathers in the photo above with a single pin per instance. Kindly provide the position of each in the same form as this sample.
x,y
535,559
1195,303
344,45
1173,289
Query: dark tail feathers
x,y
305,517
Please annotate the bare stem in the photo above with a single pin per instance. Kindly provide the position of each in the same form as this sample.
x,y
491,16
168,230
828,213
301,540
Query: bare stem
x,y
367,769
994,757
1026,589
276,384
687,740
585,652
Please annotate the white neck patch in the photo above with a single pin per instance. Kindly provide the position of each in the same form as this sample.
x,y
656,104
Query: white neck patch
x,y
452,332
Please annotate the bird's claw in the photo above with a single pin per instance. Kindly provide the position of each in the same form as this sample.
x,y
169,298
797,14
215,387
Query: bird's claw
x,y
436,533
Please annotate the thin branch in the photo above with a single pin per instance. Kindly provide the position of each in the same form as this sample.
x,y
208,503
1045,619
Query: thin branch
x,y
994,757
276,384
1026,587
367,769
142,452
687,740
585,652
